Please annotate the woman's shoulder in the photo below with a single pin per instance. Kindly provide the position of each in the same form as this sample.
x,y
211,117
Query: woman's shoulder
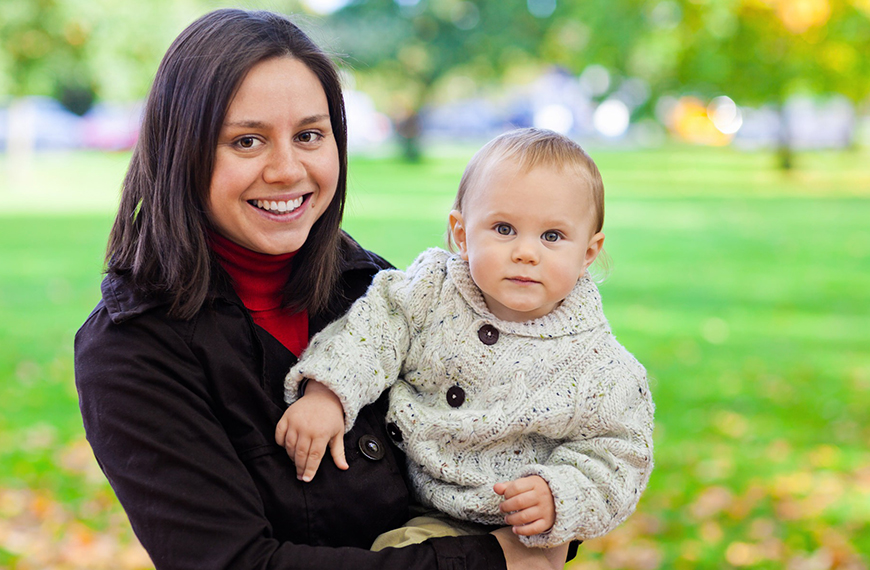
x,y
123,299
355,257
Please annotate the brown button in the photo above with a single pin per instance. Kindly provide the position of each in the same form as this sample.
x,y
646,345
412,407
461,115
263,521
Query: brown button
x,y
488,334
371,447
455,396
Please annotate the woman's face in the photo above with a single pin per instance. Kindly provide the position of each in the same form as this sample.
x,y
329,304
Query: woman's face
x,y
276,164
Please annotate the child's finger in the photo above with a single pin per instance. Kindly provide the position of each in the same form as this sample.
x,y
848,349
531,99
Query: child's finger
x,y
336,448
289,444
281,432
316,451
524,517
535,527
300,457
519,502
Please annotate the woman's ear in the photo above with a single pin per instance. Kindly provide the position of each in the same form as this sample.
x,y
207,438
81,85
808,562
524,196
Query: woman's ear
x,y
596,243
457,232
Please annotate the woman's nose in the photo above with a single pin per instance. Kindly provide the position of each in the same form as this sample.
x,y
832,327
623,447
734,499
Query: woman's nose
x,y
284,167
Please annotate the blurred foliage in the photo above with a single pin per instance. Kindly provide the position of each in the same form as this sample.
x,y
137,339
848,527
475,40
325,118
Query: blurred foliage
x,y
756,51
411,53
81,50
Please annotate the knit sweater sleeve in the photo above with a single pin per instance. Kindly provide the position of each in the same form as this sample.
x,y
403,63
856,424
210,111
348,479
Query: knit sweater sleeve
x,y
599,472
361,354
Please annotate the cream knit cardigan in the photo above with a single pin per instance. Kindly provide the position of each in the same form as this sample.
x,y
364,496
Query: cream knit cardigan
x,y
556,397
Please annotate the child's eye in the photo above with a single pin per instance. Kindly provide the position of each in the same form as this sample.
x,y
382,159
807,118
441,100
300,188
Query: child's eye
x,y
551,236
504,229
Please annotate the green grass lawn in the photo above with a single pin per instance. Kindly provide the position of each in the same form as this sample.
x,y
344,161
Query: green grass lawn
x,y
744,290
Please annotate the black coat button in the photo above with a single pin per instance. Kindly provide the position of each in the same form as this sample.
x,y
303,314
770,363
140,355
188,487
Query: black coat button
x,y
488,334
370,447
455,396
394,432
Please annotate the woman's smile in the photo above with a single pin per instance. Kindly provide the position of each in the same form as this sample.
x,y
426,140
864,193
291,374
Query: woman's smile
x,y
278,206
276,166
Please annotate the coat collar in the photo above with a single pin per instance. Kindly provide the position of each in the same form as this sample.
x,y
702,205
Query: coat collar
x,y
124,300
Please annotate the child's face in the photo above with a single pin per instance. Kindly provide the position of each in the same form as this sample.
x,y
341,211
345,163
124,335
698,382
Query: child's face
x,y
528,237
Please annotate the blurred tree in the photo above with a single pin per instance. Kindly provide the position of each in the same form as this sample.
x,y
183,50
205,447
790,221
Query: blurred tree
x,y
43,52
406,47
82,50
764,51
755,51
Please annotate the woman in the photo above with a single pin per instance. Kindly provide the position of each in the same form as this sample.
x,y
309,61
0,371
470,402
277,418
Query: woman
x,y
225,257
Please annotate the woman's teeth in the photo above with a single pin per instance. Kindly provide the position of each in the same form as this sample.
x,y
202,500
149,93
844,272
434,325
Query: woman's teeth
x,y
280,206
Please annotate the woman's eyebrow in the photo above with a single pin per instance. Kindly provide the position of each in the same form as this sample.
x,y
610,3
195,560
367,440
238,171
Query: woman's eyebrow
x,y
254,124
314,119
246,124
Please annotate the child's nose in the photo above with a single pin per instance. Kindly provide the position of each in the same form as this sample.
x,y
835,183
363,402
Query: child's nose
x,y
525,251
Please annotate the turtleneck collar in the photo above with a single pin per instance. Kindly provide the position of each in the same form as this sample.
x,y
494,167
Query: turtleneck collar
x,y
258,278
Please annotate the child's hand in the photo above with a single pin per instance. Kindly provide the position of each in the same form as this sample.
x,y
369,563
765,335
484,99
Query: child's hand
x,y
308,426
530,505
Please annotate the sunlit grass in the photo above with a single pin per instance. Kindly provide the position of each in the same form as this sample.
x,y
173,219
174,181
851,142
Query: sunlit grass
x,y
745,292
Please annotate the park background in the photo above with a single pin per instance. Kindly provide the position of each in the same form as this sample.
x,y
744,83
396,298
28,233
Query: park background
x,y
734,141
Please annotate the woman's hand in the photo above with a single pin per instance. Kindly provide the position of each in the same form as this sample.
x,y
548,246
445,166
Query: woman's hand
x,y
520,557
310,424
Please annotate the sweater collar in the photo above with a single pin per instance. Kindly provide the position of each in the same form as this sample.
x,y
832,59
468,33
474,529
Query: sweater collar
x,y
581,310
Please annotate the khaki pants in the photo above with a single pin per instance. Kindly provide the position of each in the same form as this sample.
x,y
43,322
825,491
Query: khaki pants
x,y
432,524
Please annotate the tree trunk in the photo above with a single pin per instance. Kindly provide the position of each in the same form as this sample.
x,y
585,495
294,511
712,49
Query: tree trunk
x,y
784,149
408,129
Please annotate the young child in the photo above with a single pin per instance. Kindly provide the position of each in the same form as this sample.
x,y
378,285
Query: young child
x,y
508,392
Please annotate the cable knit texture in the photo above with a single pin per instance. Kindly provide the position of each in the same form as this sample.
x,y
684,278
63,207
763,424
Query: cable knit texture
x,y
556,396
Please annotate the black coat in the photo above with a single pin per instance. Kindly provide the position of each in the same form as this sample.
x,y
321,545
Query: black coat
x,y
181,416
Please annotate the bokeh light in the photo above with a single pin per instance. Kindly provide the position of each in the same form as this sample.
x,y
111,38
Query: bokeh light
x,y
612,118
541,8
555,117
725,114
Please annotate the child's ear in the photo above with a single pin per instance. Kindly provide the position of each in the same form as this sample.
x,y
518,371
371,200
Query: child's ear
x,y
596,242
457,231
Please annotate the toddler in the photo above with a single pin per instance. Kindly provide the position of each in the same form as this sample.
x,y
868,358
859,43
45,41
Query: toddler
x,y
509,394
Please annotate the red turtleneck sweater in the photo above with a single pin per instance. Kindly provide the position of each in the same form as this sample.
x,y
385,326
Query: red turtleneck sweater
x,y
259,281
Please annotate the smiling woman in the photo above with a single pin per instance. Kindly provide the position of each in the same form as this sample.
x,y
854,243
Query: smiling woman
x,y
276,165
225,257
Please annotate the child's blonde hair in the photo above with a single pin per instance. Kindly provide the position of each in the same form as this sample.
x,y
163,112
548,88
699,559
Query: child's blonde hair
x,y
530,148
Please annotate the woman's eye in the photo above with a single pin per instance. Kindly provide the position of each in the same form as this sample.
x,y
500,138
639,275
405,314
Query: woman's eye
x,y
503,229
550,236
309,136
247,142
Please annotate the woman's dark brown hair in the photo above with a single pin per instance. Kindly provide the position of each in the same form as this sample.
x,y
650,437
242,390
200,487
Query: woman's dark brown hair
x,y
159,238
